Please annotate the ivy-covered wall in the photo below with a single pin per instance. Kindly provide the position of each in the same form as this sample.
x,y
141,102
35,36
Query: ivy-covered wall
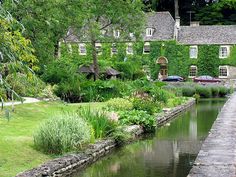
x,y
179,62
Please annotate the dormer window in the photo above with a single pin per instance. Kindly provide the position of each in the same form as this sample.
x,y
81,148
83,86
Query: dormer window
x,y
131,35
82,49
116,33
193,51
129,49
114,49
146,48
149,32
98,48
224,51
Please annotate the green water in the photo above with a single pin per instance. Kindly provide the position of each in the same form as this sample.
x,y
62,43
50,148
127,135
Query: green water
x,y
169,153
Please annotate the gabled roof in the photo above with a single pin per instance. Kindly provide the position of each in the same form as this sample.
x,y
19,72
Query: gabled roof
x,y
163,24
215,34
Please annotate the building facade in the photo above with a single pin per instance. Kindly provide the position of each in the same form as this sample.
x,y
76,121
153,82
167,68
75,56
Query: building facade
x,y
169,48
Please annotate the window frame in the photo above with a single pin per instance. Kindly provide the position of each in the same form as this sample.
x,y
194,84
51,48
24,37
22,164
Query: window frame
x,y
127,49
99,52
190,50
227,72
190,71
112,47
149,32
80,49
116,34
221,52
146,44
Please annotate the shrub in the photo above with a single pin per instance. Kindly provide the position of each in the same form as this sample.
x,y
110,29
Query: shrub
x,y
172,102
223,91
138,117
48,92
160,95
146,105
99,121
204,91
62,133
215,91
188,91
119,104
24,85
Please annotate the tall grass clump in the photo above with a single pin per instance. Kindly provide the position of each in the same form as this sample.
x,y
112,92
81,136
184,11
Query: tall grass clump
x,y
102,125
204,91
62,133
188,91
223,91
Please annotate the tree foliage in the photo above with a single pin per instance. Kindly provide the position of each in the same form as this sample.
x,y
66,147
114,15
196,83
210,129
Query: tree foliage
x,y
102,17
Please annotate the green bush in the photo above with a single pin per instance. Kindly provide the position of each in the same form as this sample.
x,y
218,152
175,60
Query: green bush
x,y
223,91
138,117
119,104
204,91
188,91
161,95
172,102
101,124
215,91
62,133
146,105
24,85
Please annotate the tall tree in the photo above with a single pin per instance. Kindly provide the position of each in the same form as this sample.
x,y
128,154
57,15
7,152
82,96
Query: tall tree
x,y
16,52
45,23
103,18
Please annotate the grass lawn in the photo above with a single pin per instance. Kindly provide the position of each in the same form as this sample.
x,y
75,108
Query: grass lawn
x,y
16,143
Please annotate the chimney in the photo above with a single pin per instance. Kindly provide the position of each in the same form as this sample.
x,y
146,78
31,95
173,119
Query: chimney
x,y
176,9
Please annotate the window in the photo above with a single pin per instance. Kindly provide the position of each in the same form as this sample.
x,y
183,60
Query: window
x,y
131,35
82,49
114,49
146,48
69,48
149,32
98,48
224,51
193,51
193,71
129,49
116,33
223,71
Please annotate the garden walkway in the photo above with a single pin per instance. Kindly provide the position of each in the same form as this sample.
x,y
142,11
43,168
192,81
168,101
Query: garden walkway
x,y
217,157
26,100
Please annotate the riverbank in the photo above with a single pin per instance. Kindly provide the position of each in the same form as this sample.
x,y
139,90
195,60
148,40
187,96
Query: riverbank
x,y
71,163
217,155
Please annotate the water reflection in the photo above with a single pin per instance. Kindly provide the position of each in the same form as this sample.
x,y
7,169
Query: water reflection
x,y
169,153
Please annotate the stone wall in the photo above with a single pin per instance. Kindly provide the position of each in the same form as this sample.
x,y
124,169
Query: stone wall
x,y
67,165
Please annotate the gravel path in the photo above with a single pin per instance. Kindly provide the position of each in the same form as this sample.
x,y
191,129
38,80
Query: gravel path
x,y
26,100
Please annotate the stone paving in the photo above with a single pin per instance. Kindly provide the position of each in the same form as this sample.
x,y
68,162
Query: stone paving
x,y
217,157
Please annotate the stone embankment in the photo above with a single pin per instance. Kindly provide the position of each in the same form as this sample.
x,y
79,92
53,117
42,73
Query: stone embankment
x,y
67,165
217,157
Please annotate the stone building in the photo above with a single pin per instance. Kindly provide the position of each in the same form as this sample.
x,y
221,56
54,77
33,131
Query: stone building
x,y
161,27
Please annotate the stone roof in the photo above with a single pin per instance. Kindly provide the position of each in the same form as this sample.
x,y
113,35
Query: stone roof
x,y
163,24
215,34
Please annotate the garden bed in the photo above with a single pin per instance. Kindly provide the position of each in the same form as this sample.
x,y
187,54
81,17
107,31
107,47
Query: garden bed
x,y
70,163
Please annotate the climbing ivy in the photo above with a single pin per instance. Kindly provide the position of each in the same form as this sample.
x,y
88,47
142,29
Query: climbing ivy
x,y
179,62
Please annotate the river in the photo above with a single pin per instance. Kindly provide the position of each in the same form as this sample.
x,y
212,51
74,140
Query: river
x,y
170,152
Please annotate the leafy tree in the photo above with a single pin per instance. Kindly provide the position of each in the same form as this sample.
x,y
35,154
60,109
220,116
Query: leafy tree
x,y
16,53
45,23
102,17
